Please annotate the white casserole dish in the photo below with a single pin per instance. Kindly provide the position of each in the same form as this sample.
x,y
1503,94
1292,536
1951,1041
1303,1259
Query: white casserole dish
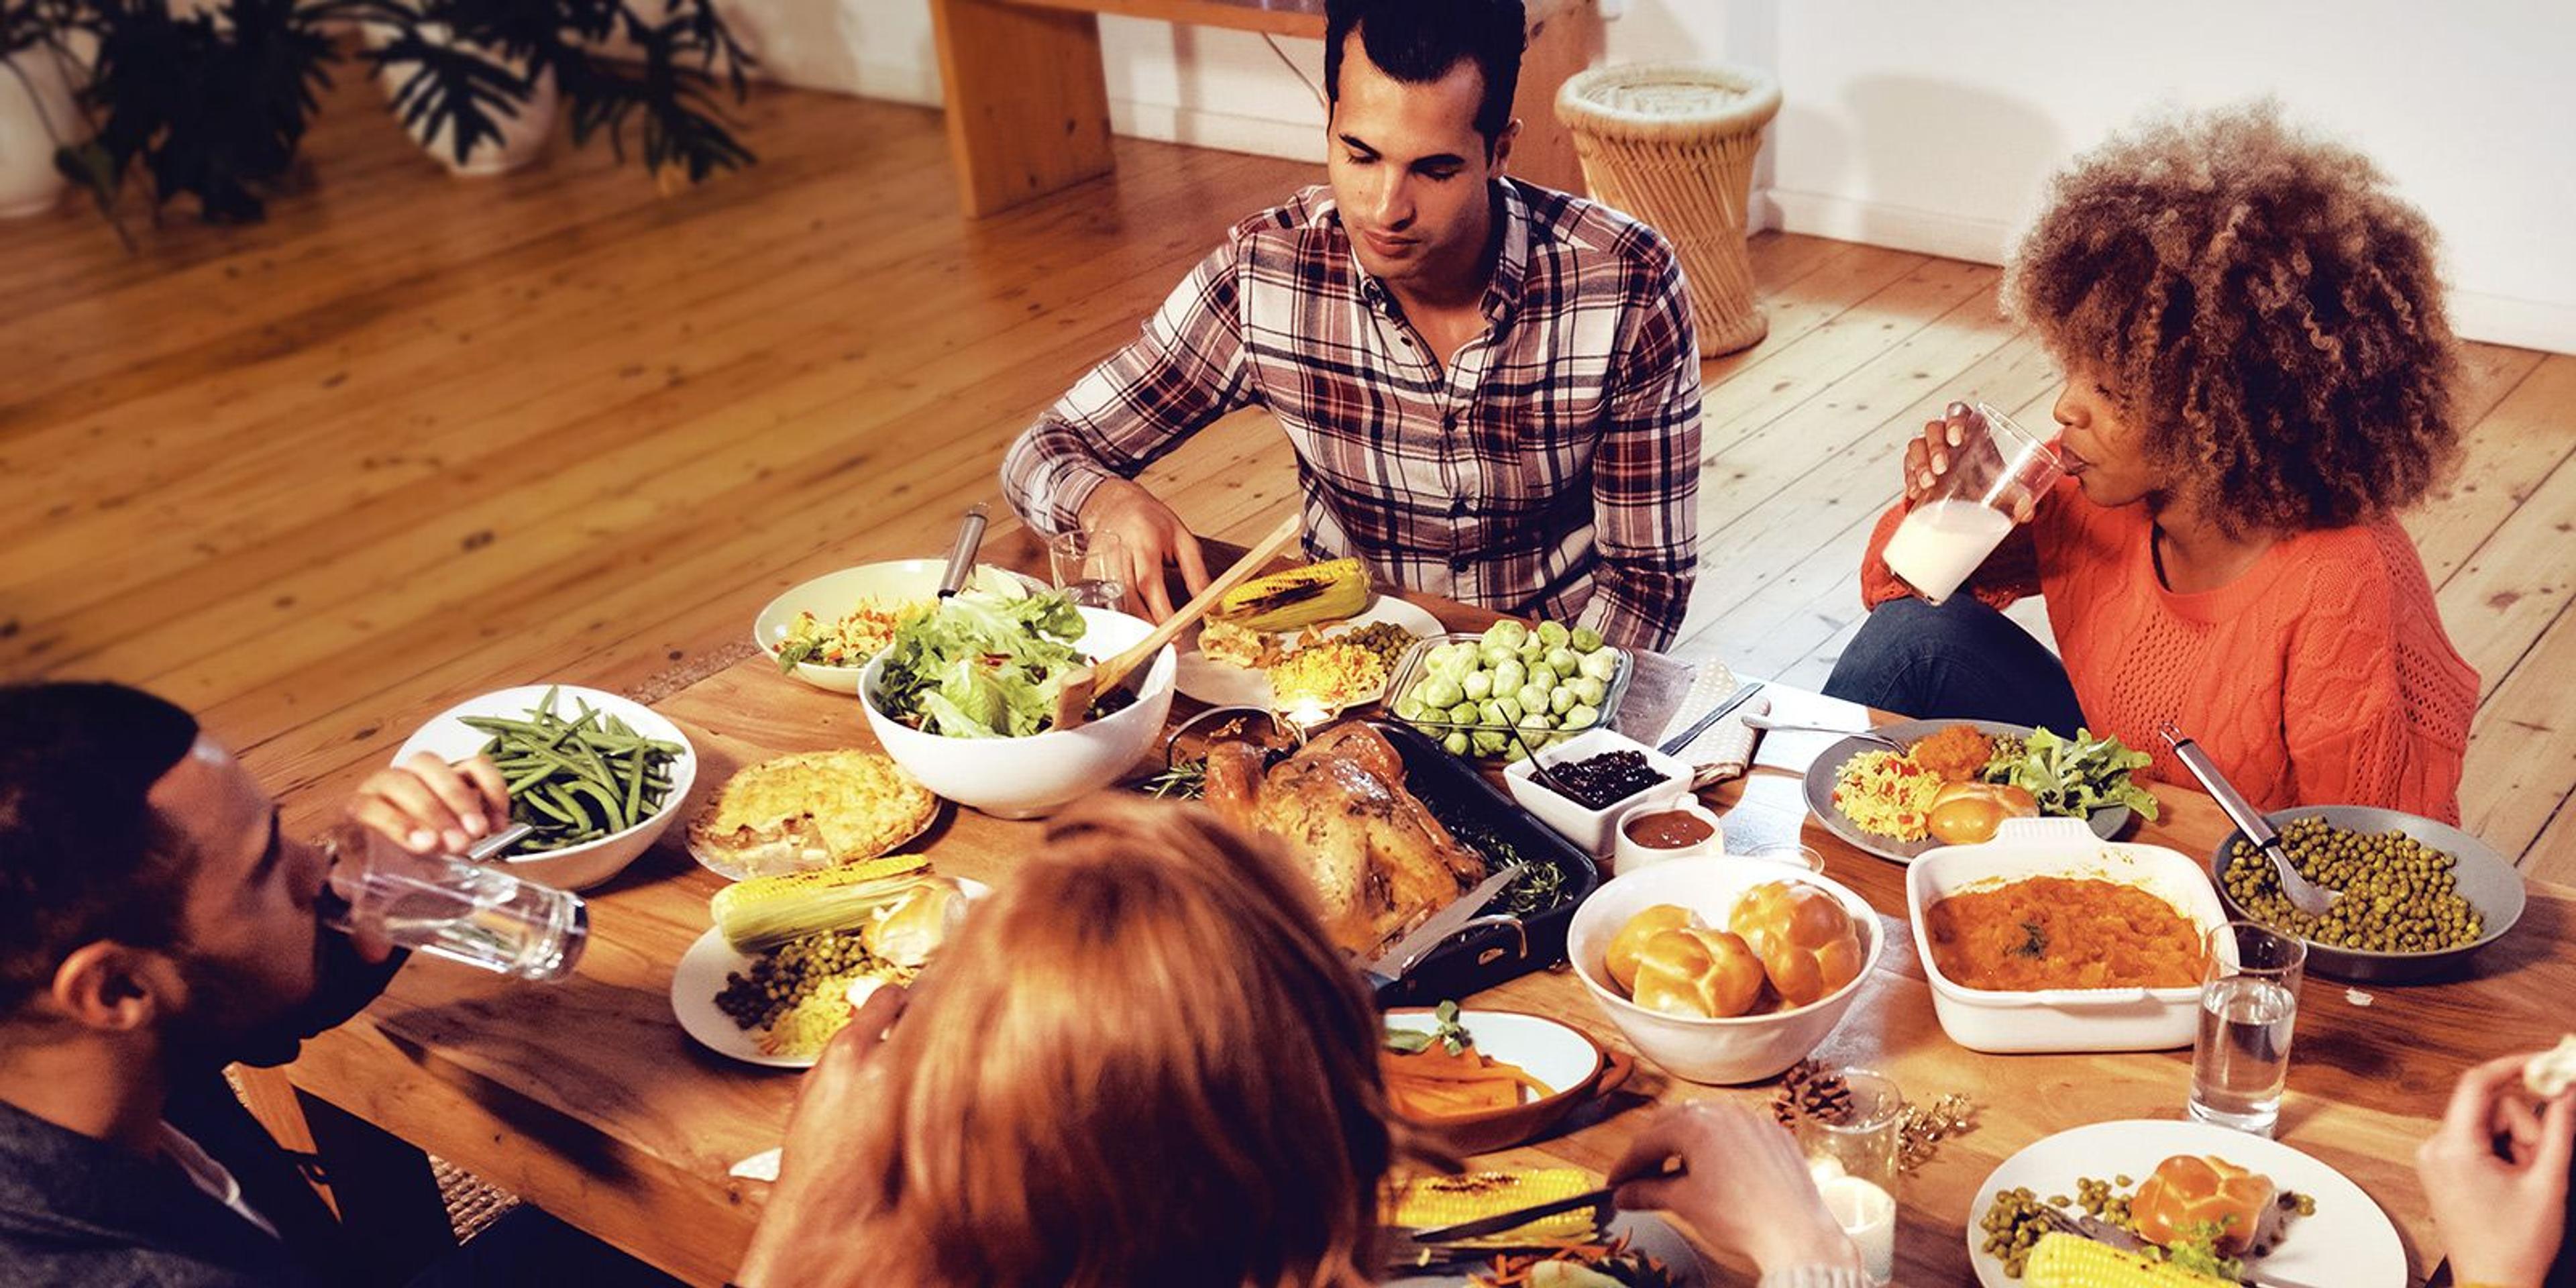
x,y
2067,1019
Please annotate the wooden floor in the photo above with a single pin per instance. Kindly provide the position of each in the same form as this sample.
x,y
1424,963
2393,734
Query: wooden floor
x,y
414,438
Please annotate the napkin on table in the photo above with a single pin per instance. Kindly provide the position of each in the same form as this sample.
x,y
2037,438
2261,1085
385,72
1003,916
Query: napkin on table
x,y
1724,750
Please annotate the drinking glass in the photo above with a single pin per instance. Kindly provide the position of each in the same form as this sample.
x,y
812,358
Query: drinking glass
x,y
2249,998
1996,474
448,907
1854,1156
1089,566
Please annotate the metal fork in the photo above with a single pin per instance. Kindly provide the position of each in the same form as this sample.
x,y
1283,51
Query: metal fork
x,y
1768,725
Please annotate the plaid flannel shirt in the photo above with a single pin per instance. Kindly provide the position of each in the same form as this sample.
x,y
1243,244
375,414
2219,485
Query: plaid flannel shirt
x,y
1550,470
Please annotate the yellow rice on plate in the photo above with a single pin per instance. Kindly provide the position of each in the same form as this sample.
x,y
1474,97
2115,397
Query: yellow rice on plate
x,y
1886,793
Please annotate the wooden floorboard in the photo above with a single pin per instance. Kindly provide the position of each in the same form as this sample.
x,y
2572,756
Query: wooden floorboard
x,y
414,437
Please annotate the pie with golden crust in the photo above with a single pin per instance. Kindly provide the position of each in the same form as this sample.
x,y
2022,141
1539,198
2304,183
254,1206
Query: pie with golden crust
x,y
810,810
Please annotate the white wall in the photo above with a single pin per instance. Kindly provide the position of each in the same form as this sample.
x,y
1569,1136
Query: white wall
x,y
1933,126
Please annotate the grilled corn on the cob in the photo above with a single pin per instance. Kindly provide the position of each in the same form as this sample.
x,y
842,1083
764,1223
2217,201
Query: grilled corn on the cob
x,y
767,911
1284,601
1432,1201
2071,1261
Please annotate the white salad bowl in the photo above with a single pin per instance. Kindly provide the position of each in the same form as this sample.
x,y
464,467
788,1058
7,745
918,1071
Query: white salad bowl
x,y
1036,775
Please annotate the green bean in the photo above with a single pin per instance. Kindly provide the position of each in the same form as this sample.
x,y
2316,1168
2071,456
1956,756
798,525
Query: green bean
x,y
576,780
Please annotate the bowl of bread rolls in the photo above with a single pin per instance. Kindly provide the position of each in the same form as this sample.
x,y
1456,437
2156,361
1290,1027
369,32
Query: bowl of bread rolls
x,y
1721,970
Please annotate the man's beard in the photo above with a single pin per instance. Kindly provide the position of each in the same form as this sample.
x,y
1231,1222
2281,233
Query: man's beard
x,y
234,1014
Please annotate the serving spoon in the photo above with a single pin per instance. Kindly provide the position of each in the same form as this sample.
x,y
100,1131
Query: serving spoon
x,y
2305,895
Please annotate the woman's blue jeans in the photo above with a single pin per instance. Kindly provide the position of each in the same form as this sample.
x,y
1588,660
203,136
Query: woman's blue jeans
x,y
1960,661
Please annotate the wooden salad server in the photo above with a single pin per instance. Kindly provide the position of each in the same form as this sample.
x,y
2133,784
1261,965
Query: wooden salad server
x,y
1082,688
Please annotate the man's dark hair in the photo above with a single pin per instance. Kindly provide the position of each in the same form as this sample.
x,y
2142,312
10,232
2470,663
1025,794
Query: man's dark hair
x,y
83,856
1418,41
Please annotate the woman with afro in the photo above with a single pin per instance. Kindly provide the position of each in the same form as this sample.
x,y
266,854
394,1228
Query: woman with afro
x,y
2258,379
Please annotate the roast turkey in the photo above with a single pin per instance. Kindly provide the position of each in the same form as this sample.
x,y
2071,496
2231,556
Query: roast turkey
x,y
1380,861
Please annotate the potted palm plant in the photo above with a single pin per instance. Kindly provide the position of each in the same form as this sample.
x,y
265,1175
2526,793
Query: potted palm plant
x,y
476,81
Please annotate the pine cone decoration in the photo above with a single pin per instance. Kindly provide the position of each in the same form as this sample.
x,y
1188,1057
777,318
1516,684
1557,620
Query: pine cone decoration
x,y
1808,1091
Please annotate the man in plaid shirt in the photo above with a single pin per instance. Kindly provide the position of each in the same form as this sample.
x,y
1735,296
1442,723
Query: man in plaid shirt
x,y
1492,388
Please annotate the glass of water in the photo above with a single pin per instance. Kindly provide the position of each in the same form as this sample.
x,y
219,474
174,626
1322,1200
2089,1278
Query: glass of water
x,y
2249,998
448,907
1089,566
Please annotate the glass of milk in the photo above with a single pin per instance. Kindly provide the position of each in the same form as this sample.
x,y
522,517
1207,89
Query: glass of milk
x,y
1998,473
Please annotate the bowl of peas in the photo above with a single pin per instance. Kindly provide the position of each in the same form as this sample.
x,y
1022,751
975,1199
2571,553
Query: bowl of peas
x,y
2419,898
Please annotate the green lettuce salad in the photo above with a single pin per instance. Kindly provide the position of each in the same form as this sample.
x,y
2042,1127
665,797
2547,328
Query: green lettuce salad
x,y
982,666
2072,777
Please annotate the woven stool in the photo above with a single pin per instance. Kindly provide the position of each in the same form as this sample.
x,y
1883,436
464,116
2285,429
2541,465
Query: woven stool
x,y
1673,144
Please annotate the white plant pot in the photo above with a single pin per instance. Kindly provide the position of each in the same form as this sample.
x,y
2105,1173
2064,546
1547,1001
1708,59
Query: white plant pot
x,y
36,117
523,137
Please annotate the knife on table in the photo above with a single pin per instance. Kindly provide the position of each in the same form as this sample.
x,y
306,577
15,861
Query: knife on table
x,y
1391,964
1673,746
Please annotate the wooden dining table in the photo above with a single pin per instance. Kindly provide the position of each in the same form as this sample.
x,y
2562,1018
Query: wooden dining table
x,y
587,1099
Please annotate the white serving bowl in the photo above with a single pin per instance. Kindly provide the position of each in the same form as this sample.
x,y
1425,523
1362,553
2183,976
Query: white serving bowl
x,y
834,595
1593,829
1028,777
577,867
2063,1019
1746,1048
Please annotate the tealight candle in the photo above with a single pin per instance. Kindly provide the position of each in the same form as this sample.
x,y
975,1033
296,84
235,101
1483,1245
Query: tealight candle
x,y
1867,1214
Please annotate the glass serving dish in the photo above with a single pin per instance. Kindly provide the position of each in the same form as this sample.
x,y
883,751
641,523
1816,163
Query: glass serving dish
x,y
1414,668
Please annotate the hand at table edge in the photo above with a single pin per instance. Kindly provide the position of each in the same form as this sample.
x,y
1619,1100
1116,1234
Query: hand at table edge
x,y
821,1196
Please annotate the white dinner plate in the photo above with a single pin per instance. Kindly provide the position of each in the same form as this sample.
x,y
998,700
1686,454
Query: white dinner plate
x,y
701,975
2349,1243
834,595
1223,684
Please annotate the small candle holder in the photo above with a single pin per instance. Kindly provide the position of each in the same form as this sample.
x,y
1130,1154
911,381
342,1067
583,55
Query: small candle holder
x,y
1852,1140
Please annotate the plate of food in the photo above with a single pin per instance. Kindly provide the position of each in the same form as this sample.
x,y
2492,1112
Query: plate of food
x,y
809,810
1953,782
2218,1201
790,957
1314,635
824,631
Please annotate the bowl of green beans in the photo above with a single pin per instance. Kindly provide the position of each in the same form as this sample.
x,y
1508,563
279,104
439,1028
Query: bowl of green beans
x,y
597,776
2419,898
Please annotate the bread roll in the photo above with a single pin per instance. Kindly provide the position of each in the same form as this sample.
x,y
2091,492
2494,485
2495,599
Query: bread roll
x,y
2187,1192
1646,925
1805,939
2552,1071
1968,813
1696,971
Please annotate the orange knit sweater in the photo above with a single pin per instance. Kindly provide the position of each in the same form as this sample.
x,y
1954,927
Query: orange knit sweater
x,y
2320,677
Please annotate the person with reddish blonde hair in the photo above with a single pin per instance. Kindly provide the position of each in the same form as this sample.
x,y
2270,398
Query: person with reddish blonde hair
x,y
1142,1061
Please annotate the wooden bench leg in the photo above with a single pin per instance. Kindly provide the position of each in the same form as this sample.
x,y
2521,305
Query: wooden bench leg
x,y
1028,102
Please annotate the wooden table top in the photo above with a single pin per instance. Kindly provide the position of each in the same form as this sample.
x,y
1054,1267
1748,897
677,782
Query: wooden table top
x,y
587,1099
